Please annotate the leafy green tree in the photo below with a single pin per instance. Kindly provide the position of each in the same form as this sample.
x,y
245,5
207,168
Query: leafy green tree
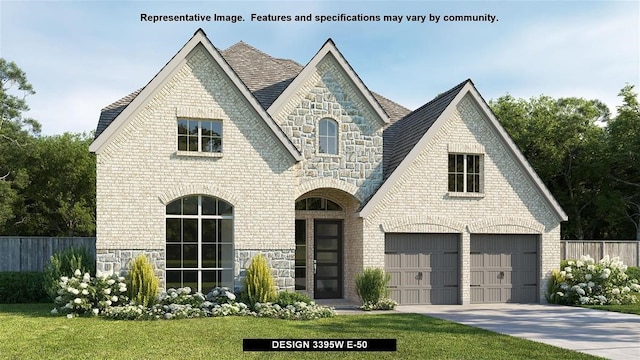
x,y
59,199
623,138
564,143
16,132
47,184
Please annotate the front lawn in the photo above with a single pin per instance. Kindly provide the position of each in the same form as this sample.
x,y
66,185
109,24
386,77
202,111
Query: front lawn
x,y
28,331
628,309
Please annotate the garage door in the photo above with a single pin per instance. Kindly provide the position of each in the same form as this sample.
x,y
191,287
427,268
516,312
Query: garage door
x,y
423,268
504,268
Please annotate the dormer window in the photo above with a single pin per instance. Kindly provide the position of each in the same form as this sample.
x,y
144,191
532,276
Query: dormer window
x,y
328,137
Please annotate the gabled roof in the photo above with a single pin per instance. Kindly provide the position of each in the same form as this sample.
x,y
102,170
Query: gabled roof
x,y
403,135
328,49
265,76
114,116
409,136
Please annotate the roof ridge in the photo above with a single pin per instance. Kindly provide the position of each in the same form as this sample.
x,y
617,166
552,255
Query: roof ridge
x,y
377,94
440,96
271,58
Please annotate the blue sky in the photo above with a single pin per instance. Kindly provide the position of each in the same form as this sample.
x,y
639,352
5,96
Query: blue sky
x,y
82,55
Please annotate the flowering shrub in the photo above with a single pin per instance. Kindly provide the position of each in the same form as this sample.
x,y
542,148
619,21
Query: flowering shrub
x,y
221,295
587,282
174,304
383,304
181,296
298,311
84,295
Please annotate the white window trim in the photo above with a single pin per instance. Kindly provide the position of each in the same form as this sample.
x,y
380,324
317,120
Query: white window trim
x,y
338,150
465,193
200,153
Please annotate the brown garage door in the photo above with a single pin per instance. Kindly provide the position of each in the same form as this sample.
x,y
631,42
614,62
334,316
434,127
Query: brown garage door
x,y
504,268
423,268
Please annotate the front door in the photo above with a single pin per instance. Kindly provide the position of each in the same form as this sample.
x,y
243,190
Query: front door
x,y
328,259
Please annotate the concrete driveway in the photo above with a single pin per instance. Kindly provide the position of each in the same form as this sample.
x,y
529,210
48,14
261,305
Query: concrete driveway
x,y
600,333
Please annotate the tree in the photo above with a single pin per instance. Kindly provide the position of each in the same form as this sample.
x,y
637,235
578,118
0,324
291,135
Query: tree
x,y
623,137
47,184
564,144
59,199
15,133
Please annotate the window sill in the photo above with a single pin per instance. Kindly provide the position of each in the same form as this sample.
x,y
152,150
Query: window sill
x,y
199,154
465,195
337,156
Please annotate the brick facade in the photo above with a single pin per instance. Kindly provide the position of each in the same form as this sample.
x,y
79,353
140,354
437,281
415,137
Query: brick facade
x,y
510,204
140,171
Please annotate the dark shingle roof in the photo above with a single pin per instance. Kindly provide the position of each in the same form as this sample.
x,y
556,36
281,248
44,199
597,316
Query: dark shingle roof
x,y
109,113
404,134
265,76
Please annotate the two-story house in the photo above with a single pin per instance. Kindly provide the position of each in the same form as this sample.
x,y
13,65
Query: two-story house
x,y
227,154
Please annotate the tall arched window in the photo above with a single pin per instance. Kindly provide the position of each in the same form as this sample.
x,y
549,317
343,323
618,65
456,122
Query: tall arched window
x,y
199,246
328,137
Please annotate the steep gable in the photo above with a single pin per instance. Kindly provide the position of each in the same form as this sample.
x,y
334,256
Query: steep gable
x,y
119,113
418,130
403,135
328,52
265,76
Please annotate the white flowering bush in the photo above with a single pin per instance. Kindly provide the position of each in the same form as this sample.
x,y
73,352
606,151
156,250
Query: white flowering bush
x,y
587,282
104,296
82,294
383,304
221,295
181,296
297,311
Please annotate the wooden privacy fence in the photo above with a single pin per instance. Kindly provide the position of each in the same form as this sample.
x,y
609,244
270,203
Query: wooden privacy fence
x,y
33,253
627,251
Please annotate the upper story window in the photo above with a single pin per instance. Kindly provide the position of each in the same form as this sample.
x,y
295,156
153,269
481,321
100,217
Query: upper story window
x,y
328,137
200,135
465,173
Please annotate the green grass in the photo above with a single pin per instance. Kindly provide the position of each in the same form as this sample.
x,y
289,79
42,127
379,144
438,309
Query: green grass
x,y
628,309
27,331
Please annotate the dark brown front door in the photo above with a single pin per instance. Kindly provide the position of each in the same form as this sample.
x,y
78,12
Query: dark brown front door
x,y
328,259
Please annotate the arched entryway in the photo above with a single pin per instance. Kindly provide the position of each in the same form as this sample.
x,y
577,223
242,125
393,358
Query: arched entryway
x,y
328,243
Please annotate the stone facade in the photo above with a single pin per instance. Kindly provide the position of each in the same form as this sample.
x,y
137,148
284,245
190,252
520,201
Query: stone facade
x,y
281,263
328,93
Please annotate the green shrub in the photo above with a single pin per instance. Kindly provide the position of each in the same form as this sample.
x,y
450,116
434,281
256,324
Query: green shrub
x,y
289,298
633,272
65,263
258,282
371,285
22,287
142,282
589,282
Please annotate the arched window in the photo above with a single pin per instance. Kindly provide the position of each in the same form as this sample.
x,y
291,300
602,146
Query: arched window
x,y
328,137
199,246
317,203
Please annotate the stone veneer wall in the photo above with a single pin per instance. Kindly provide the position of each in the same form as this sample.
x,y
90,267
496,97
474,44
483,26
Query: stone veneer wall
x,y
281,262
117,261
328,93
